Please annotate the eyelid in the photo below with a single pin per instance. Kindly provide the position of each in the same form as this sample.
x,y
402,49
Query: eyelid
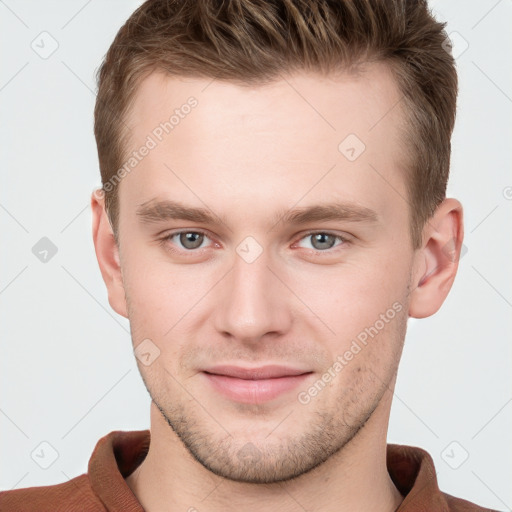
x,y
324,232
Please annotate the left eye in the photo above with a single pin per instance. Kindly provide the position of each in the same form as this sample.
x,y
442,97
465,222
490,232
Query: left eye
x,y
323,241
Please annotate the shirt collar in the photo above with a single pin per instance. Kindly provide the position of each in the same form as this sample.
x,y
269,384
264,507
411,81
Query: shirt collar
x,y
119,453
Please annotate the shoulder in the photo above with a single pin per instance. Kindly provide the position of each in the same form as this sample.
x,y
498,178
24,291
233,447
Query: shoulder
x,y
102,488
74,495
413,473
460,505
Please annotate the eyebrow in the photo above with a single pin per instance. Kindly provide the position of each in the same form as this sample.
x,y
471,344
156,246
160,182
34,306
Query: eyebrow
x,y
330,211
159,211
155,211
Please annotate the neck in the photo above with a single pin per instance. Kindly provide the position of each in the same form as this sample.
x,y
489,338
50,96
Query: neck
x,y
355,478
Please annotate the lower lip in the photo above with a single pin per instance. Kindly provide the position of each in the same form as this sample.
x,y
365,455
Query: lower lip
x,y
254,391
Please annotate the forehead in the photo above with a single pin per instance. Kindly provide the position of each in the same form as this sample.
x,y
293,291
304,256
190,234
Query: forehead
x,y
303,134
359,101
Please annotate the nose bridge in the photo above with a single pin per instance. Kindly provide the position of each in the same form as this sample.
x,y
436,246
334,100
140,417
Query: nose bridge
x,y
253,299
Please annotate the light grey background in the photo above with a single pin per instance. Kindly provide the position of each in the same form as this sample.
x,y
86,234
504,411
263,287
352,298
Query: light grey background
x,y
68,375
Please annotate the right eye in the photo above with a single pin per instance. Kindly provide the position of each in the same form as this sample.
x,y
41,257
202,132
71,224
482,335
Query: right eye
x,y
189,240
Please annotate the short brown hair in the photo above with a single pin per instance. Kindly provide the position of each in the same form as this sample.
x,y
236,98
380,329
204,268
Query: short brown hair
x,y
254,41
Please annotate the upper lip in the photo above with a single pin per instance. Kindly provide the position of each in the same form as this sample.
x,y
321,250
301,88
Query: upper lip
x,y
261,372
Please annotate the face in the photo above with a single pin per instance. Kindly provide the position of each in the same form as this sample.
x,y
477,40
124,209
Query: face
x,y
274,317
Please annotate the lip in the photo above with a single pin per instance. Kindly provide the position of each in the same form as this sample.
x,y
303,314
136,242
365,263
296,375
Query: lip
x,y
254,385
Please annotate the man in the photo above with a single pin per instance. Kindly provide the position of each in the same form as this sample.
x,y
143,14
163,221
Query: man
x,y
272,212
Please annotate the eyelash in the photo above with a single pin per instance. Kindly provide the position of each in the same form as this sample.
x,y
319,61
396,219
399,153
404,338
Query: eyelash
x,y
170,236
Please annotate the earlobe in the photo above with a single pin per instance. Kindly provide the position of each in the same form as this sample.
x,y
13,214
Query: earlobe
x,y
437,260
107,254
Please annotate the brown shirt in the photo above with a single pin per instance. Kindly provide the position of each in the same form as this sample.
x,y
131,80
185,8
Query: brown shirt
x,y
117,455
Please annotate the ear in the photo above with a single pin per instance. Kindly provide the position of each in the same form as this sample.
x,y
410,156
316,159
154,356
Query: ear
x,y
437,260
107,253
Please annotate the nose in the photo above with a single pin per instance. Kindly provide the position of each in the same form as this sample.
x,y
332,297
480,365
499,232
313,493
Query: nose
x,y
253,301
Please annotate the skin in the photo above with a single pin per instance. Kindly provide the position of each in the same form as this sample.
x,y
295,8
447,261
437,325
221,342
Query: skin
x,y
248,154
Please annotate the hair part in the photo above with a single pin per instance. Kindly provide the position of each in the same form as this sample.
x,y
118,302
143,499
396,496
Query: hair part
x,y
253,42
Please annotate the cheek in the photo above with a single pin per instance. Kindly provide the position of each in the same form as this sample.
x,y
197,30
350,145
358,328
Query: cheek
x,y
368,356
150,280
164,299
365,311
353,296
150,295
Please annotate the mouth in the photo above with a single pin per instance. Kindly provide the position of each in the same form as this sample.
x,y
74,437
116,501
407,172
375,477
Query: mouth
x,y
254,385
